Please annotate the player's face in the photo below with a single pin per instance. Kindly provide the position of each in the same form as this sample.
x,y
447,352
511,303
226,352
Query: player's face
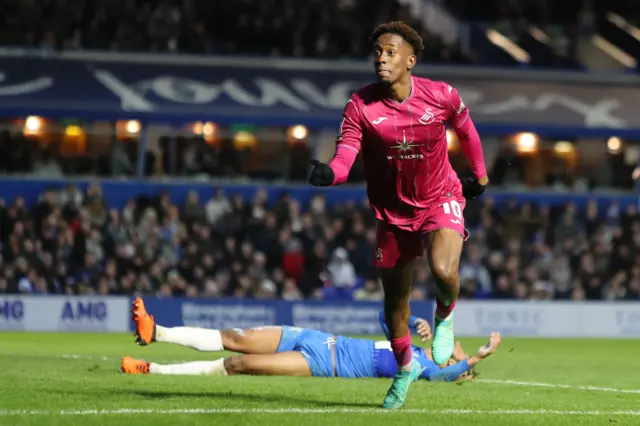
x,y
392,58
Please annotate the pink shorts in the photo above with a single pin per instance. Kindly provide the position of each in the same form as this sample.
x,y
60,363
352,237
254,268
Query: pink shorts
x,y
396,246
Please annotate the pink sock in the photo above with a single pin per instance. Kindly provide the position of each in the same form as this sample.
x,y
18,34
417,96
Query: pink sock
x,y
402,350
443,309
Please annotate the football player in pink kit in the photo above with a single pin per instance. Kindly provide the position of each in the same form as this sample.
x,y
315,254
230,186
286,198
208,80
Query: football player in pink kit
x,y
400,125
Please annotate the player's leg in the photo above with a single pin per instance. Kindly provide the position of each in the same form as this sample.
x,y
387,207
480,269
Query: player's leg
x,y
280,364
130,365
395,259
261,340
445,238
397,283
444,248
258,340
147,332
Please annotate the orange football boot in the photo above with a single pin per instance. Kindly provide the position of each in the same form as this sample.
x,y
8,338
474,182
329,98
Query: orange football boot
x,y
145,325
134,366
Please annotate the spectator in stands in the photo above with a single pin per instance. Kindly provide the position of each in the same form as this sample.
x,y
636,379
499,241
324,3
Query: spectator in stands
x,y
472,269
267,290
341,270
293,256
291,290
503,288
334,29
47,167
193,211
216,208
615,288
27,284
371,290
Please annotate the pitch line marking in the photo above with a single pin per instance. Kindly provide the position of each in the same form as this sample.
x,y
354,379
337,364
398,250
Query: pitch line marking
x,y
560,386
187,411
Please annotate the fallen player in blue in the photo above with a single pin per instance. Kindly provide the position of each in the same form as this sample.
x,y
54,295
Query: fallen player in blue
x,y
293,351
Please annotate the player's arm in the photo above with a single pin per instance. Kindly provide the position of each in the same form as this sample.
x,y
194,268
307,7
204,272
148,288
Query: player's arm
x,y
347,149
452,372
416,325
462,125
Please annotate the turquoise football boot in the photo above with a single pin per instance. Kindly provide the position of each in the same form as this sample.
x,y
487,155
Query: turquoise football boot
x,y
443,340
398,391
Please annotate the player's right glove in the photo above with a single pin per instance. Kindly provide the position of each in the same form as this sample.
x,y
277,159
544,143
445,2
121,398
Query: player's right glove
x,y
471,188
322,174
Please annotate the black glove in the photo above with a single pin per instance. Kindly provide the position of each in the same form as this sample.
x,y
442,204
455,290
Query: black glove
x,y
471,188
321,175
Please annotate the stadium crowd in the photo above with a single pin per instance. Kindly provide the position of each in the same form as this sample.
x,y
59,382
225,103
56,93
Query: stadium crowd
x,y
313,28
72,242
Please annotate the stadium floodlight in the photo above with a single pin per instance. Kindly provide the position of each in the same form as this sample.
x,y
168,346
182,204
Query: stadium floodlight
x,y
614,144
244,140
133,127
208,129
32,125
299,132
197,128
564,147
527,143
73,131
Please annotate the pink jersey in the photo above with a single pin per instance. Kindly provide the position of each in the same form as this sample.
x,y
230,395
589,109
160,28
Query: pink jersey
x,y
404,148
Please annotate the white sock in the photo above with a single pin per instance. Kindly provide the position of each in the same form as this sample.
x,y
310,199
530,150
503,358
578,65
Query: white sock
x,y
197,368
202,339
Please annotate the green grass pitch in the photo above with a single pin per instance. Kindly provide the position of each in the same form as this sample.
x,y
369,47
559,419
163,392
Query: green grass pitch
x,y
73,379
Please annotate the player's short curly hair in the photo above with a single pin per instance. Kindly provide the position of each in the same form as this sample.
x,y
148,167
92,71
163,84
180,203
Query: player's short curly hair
x,y
409,35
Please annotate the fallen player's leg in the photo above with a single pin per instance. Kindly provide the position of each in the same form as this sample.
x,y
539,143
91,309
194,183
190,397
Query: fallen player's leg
x,y
280,364
259,340
196,368
277,364
147,332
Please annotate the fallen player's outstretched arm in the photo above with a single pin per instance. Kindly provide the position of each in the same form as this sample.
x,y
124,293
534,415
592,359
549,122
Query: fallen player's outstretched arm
x,y
452,372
